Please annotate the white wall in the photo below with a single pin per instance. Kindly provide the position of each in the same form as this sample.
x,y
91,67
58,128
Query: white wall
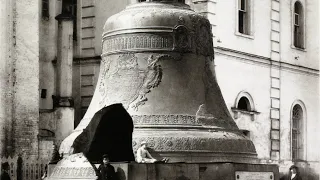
x,y
303,87
235,75
309,57
296,82
259,43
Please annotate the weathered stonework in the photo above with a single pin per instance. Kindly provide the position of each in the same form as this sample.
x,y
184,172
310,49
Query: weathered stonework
x,y
19,74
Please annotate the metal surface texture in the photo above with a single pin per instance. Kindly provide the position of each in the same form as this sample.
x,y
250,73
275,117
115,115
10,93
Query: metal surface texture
x,y
162,26
158,61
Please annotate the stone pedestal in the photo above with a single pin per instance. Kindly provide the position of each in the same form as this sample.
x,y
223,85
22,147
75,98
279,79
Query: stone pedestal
x,y
76,166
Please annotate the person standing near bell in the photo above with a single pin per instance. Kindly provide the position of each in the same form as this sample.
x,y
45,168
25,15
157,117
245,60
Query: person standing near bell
x,y
106,170
294,173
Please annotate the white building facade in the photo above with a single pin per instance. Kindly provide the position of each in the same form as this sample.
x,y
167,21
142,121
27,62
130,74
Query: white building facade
x,y
267,66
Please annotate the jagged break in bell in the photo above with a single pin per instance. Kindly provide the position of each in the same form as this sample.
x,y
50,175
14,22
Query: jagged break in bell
x,y
158,62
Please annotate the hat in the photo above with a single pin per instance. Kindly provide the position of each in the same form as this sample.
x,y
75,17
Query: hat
x,y
293,167
143,142
105,156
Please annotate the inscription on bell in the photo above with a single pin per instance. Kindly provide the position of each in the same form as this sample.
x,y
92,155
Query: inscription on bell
x,y
138,41
245,175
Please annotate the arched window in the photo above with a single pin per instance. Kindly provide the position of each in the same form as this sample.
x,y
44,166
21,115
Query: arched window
x,y
297,133
244,104
298,25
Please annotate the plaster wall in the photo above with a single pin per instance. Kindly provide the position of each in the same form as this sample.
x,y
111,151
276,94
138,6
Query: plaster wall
x,y
105,9
64,123
48,54
308,57
304,88
85,77
235,75
25,77
258,42
60,121
47,120
4,71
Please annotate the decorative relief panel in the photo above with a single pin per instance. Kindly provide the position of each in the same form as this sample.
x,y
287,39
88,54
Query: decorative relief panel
x,y
164,119
73,172
152,78
121,72
105,64
199,144
182,38
179,119
161,41
198,39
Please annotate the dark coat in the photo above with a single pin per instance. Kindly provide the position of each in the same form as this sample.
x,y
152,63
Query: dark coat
x,y
297,177
288,177
106,172
5,176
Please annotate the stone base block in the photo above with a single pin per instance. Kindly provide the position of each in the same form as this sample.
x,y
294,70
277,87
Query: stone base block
x,y
77,167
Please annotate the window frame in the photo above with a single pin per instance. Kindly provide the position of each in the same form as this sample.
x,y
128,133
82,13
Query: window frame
x,y
248,12
45,9
247,101
299,132
301,45
252,111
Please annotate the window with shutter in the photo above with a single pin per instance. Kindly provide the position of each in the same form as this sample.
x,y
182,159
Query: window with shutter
x,y
243,17
298,35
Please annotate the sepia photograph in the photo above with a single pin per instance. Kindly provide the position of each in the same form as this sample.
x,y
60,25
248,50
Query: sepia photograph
x,y
159,89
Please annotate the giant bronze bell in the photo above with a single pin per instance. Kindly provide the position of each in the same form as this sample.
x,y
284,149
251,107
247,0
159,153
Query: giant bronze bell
x,y
157,60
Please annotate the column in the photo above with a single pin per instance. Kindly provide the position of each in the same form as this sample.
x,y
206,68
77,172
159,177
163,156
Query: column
x,y
65,105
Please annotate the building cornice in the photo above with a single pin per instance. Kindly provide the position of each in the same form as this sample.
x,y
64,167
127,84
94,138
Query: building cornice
x,y
265,61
